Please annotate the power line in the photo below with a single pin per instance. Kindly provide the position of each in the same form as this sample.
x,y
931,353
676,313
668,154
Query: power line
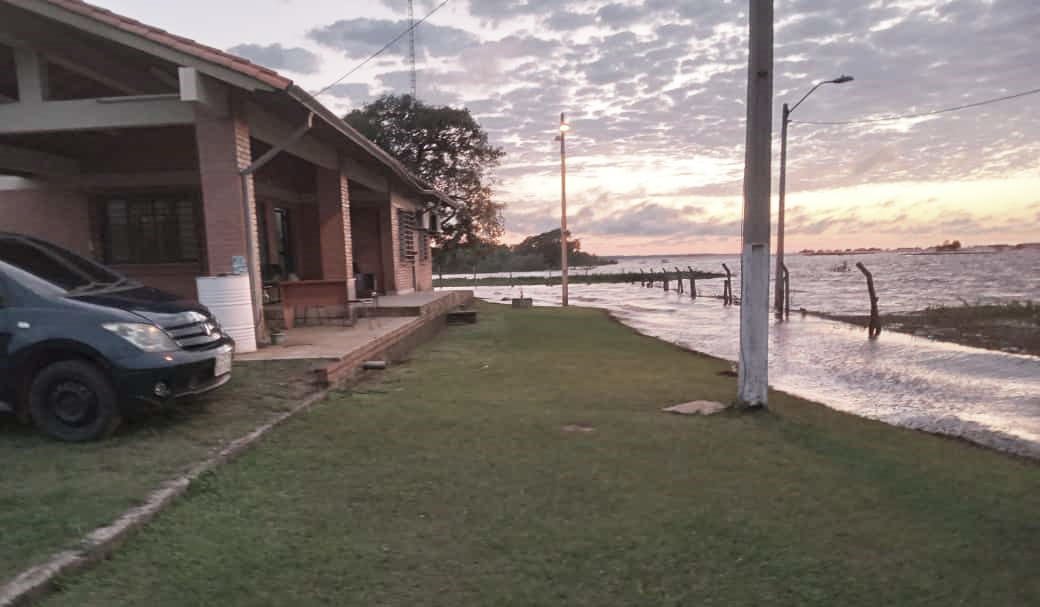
x,y
385,46
411,43
921,114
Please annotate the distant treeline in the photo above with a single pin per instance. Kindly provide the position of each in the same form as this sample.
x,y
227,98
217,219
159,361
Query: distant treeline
x,y
534,254
574,278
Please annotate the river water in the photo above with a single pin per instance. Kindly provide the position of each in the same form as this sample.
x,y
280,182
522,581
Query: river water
x,y
989,397
831,283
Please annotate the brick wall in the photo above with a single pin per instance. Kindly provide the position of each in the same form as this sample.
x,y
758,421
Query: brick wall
x,y
366,243
134,150
176,278
402,267
405,279
424,265
58,216
334,229
307,244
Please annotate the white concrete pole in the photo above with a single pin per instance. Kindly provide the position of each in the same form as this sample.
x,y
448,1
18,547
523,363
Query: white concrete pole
x,y
753,372
563,209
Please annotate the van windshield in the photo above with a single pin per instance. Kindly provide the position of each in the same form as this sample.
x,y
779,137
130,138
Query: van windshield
x,y
56,266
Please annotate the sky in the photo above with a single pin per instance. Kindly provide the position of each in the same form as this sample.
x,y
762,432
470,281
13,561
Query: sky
x,y
655,93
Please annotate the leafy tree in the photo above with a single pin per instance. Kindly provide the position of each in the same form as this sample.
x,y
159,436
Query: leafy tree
x,y
547,246
446,147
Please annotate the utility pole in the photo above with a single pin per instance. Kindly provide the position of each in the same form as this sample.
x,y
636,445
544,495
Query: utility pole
x,y
779,286
411,44
753,370
564,127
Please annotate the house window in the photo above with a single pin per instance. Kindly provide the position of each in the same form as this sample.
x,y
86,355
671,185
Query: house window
x,y
150,230
424,245
406,235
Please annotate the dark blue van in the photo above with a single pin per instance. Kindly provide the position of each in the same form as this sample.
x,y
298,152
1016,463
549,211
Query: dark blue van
x,y
80,343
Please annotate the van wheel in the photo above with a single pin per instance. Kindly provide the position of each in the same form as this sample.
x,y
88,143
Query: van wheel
x,y
72,401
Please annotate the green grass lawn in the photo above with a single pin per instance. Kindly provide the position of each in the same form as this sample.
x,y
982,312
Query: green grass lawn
x,y
451,481
53,493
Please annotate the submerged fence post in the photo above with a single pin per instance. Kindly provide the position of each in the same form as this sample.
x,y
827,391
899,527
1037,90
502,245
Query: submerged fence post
x,y
693,283
874,329
678,280
727,287
642,278
664,277
787,291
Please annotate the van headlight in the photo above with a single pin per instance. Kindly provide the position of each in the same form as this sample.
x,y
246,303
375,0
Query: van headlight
x,y
149,338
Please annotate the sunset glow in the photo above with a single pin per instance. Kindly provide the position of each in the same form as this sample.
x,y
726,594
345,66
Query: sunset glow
x,y
654,94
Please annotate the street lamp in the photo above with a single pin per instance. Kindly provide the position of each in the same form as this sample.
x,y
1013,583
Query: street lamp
x,y
778,288
562,137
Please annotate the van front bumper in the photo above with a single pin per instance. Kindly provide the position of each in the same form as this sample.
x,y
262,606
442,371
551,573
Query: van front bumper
x,y
159,378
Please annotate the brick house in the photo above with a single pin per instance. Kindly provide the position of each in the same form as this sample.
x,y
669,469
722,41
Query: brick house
x,y
136,147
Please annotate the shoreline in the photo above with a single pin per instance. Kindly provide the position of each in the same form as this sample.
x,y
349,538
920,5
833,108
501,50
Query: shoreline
x,y
999,328
950,427
960,430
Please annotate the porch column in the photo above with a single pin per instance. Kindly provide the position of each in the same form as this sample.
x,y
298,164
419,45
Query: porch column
x,y
223,146
337,262
224,150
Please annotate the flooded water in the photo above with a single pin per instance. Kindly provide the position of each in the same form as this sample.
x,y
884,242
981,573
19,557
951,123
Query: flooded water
x,y
830,283
992,398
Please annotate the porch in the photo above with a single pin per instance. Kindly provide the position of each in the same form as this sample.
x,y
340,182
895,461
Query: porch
x,y
388,330
328,307
170,161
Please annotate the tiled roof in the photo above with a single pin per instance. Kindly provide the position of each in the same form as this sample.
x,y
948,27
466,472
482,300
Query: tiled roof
x,y
180,43
250,69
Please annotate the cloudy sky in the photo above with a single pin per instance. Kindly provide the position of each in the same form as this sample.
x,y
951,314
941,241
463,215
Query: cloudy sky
x,y
655,93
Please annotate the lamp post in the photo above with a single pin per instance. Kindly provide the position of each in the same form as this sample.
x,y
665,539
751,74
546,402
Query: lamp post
x,y
778,284
562,137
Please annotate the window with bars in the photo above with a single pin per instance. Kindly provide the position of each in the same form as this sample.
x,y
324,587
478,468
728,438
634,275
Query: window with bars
x,y
406,234
424,245
150,230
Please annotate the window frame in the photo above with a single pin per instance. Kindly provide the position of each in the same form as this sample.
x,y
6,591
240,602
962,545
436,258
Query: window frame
x,y
406,235
133,253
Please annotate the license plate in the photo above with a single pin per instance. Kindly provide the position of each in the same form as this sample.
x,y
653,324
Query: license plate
x,y
222,364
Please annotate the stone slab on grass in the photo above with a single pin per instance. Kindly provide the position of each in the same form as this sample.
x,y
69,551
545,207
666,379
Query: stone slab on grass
x,y
696,407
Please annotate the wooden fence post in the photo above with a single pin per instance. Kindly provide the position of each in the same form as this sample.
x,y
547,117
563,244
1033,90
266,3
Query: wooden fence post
x,y
664,277
727,287
693,283
787,292
874,329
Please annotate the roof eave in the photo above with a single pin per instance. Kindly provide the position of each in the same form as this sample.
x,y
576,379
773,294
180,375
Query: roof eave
x,y
308,101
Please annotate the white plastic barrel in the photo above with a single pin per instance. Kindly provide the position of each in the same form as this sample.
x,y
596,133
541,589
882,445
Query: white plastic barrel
x,y
227,297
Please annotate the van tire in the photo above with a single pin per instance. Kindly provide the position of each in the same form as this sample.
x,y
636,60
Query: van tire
x,y
73,401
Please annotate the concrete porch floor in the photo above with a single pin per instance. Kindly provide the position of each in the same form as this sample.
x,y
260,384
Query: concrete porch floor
x,y
410,300
386,333
328,342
